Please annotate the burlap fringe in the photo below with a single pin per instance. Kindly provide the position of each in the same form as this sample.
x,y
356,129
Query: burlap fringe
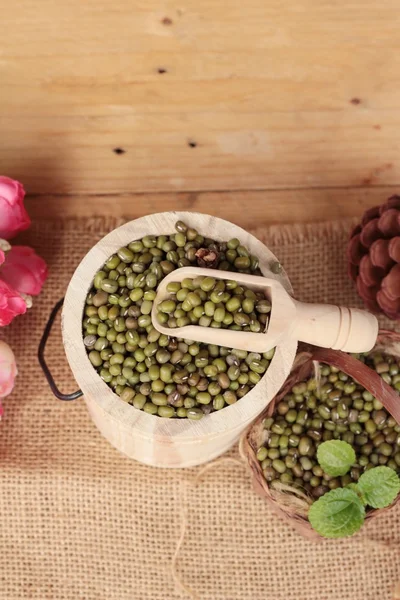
x,y
303,232
87,224
277,234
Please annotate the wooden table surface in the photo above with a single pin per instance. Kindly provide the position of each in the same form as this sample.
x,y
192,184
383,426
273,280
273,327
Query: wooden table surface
x,y
261,112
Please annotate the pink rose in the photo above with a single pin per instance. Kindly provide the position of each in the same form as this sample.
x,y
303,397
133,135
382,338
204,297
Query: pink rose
x,y
11,304
8,369
24,270
13,216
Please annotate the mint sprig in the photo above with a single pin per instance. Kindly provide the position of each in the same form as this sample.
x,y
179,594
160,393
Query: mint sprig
x,y
336,457
341,512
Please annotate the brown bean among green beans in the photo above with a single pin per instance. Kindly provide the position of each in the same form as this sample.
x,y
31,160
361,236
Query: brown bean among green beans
x,y
336,407
165,375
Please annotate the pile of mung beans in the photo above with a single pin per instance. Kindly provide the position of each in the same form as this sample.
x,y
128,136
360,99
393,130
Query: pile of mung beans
x,y
159,374
336,407
211,302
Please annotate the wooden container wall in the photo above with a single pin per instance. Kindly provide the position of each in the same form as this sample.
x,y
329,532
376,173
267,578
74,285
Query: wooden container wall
x,y
150,439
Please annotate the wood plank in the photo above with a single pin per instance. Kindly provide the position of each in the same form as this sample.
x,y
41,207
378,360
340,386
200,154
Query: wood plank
x,y
262,96
85,27
202,151
248,208
337,74
242,81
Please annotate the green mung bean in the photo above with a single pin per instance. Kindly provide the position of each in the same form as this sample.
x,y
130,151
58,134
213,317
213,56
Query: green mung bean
x,y
138,362
341,409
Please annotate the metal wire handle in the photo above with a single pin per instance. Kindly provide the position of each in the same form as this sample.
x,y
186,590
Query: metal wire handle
x,y
42,361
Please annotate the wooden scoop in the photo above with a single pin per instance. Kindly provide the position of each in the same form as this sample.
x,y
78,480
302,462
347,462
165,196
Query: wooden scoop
x,y
325,325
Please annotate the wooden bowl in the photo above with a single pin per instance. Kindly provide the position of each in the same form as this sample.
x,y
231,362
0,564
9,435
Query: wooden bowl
x,y
147,438
293,509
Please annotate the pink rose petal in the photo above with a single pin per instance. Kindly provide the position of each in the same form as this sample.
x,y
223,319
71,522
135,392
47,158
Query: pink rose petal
x,y
13,216
11,304
24,270
8,370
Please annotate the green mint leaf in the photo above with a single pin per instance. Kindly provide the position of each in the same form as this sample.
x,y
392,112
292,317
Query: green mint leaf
x,y
379,486
338,513
335,457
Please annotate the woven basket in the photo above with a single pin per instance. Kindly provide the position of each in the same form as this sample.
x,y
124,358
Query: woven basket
x,y
289,504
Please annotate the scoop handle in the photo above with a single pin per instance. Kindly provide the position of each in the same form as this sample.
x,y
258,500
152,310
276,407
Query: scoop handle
x,y
337,327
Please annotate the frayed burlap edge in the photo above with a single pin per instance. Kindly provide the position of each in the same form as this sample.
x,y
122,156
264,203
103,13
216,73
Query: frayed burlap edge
x,y
277,234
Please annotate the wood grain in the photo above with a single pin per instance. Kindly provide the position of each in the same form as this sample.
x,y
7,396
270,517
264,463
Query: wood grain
x,y
199,96
247,209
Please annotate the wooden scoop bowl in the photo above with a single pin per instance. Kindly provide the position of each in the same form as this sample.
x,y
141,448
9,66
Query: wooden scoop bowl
x,y
325,325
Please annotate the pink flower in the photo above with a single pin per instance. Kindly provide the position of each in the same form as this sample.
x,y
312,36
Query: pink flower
x,y
11,305
24,270
2,257
8,370
13,216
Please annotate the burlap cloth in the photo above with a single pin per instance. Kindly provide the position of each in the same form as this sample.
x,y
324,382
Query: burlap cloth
x,y
81,521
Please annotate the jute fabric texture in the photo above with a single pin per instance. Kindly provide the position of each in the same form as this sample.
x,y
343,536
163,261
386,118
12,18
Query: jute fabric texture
x,y
79,521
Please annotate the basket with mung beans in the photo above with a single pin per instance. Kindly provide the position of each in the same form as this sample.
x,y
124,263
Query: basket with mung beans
x,y
165,375
328,396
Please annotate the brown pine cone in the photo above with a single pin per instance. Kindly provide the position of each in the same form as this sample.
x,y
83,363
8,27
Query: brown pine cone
x,y
374,258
